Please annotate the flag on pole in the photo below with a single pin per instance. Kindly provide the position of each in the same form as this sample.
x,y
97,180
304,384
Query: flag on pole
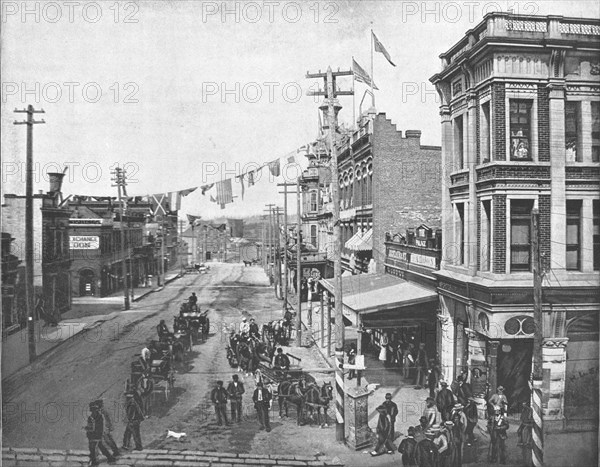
x,y
159,203
175,198
224,192
275,168
361,75
191,219
380,48
251,178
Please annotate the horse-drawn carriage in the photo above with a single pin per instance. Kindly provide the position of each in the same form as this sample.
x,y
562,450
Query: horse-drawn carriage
x,y
157,366
197,322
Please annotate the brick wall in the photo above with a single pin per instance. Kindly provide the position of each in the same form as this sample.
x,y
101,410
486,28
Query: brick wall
x,y
543,124
406,184
499,111
499,226
544,205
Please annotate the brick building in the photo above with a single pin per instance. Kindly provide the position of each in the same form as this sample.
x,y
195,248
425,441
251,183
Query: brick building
x,y
206,241
521,130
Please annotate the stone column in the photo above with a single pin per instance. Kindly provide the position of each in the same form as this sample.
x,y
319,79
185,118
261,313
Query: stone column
x,y
554,355
447,168
493,366
356,414
585,132
471,207
557,172
587,235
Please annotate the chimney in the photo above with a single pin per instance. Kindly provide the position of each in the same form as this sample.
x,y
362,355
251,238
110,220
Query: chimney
x,y
413,133
56,179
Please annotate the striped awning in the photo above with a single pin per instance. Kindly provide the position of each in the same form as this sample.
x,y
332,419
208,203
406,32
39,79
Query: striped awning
x,y
354,240
364,242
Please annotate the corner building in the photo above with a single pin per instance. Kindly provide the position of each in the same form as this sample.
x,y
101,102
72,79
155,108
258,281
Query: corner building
x,y
520,101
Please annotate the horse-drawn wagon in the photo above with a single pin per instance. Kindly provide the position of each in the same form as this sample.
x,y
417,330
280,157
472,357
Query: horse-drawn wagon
x,y
197,322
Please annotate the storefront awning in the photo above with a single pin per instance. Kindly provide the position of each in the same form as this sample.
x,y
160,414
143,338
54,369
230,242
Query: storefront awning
x,y
353,240
366,242
369,293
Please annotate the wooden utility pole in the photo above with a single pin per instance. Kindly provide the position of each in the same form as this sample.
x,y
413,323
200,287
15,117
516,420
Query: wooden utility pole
x,y
120,182
286,233
330,109
278,288
298,267
180,243
536,393
29,290
269,238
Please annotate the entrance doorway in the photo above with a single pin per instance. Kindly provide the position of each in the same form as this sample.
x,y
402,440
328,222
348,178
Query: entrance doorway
x,y
87,282
514,370
208,256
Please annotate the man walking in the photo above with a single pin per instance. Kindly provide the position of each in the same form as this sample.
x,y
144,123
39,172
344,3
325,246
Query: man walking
x,y
445,401
262,403
384,434
497,427
433,377
235,391
470,411
422,366
524,432
219,397
134,414
95,431
392,411
499,399
107,438
408,447
430,412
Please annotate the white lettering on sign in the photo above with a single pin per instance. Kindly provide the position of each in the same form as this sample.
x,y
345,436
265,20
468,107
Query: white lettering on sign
x,y
420,242
428,261
82,242
397,254
84,222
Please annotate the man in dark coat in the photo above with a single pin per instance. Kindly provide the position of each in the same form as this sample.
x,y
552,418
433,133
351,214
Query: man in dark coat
x,y
95,433
463,390
107,438
262,404
445,401
392,411
219,397
281,363
384,434
163,331
254,332
426,454
433,377
422,364
408,447
235,391
497,427
470,411
134,414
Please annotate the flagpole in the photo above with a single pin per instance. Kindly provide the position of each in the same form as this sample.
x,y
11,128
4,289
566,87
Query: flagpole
x,y
353,94
372,77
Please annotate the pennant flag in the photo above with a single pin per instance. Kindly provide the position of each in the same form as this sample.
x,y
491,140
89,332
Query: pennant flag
x,y
191,219
212,199
380,48
205,188
275,168
251,178
159,203
291,159
361,75
224,192
175,198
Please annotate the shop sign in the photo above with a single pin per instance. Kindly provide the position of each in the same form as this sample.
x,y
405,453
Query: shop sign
x,y
397,254
422,260
81,242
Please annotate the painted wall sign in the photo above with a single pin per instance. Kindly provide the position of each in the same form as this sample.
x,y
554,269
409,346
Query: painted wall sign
x,y
82,242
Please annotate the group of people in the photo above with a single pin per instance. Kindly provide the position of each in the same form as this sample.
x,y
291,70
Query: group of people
x,y
99,429
220,396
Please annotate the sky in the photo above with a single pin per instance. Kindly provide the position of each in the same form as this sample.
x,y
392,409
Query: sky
x,y
184,93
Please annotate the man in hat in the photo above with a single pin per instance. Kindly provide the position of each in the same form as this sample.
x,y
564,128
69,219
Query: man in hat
x,y
193,302
430,412
95,432
440,441
426,453
433,376
459,428
384,434
281,363
392,411
262,403
463,390
244,327
163,331
497,427
408,447
445,401
235,391
219,397
470,412
499,399
421,428
422,365
107,438
524,432
134,415
253,329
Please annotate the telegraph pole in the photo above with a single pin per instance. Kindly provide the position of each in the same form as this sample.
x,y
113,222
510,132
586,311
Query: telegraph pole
x,y
536,393
298,267
330,109
269,237
285,227
276,212
29,290
120,183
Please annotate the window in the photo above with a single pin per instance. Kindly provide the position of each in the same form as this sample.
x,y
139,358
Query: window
x,y
313,235
460,232
572,124
369,188
313,201
596,131
458,142
596,235
486,234
520,130
485,140
573,235
520,235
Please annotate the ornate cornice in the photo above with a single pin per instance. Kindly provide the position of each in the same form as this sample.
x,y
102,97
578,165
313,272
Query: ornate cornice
x,y
555,342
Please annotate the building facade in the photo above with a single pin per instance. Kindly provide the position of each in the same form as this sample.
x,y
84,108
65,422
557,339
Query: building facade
x,y
521,130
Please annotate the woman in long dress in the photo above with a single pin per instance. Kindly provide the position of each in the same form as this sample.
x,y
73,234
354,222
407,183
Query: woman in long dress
x,y
383,343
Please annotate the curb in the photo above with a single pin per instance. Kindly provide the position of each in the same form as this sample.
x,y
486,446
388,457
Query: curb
x,y
157,289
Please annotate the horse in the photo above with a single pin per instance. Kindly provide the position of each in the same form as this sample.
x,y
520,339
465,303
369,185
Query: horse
x,y
231,358
145,387
291,392
264,351
245,357
317,398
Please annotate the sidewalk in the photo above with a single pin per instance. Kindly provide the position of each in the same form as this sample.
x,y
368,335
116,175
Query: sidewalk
x,y
85,313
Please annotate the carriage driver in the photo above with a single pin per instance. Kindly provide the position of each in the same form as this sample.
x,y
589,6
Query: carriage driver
x,y
193,301
253,329
244,327
163,330
282,362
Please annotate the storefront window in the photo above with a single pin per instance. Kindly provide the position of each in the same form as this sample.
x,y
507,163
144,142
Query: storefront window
x,y
573,235
520,130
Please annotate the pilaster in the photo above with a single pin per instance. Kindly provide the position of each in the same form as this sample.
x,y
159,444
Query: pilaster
x,y
554,357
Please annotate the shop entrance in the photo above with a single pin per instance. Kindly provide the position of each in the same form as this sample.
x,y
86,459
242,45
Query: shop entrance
x,y
86,282
514,370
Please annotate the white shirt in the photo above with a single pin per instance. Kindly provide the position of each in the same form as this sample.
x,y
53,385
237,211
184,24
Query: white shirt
x,y
244,327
